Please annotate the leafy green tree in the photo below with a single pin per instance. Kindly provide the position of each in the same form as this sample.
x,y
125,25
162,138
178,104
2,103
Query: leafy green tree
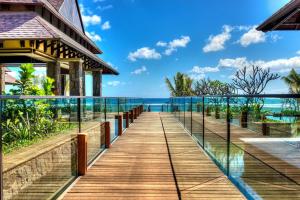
x,y
25,84
48,86
182,85
213,87
293,81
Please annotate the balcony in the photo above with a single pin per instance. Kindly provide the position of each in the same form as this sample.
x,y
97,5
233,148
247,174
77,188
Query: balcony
x,y
210,147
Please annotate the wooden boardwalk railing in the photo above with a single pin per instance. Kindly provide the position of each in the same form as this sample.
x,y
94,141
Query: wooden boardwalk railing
x,y
155,159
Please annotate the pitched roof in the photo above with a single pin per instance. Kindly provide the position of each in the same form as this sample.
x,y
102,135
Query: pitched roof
x,y
287,18
29,25
24,25
56,3
51,5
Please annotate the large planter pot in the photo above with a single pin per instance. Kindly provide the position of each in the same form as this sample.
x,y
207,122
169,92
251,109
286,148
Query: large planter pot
x,y
208,112
244,119
265,128
217,112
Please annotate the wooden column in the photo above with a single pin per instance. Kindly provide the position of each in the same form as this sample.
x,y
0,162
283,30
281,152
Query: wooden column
x,y
131,116
82,154
126,117
53,71
120,124
107,135
135,113
76,76
97,83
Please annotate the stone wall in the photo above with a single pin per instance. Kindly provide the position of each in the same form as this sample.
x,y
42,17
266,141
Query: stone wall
x,y
24,175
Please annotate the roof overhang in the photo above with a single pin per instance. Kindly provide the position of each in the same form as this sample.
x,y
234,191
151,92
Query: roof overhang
x,y
287,18
36,29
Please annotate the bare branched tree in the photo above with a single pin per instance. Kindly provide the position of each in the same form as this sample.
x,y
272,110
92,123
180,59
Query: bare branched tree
x,y
253,79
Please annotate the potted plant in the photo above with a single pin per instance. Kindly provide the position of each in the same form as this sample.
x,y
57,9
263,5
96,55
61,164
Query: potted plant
x,y
217,112
208,111
244,116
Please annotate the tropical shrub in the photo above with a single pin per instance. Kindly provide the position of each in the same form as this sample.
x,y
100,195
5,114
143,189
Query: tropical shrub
x,y
28,119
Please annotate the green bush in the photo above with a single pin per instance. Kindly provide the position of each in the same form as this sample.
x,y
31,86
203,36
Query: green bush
x,y
25,120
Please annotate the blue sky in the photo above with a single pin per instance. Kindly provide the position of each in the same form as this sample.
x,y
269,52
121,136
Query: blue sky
x,y
148,40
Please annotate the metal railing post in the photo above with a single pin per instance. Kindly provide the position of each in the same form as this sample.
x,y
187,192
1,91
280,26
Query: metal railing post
x,y
228,136
104,109
191,115
203,125
79,114
118,106
184,111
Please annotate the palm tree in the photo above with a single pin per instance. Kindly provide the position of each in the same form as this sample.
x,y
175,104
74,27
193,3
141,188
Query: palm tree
x,y
293,81
182,85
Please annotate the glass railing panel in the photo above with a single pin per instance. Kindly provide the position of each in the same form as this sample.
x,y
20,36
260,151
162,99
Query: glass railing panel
x,y
111,113
264,151
122,110
197,119
215,131
92,117
188,113
39,146
181,110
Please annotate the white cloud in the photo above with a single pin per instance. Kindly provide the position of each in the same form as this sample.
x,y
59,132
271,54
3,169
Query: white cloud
x,y
106,26
114,83
93,36
144,53
233,63
103,8
217,42
172,46
161,44
298,52
199,70
197,76
253,37
91,20
198,73
139,70
280,65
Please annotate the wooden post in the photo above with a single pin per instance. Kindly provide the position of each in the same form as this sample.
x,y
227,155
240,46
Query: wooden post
x,y
120,125
126,117
134,113
131,116
107,135
82,153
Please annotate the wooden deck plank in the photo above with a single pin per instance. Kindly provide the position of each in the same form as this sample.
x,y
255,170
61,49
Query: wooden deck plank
x,y
138,167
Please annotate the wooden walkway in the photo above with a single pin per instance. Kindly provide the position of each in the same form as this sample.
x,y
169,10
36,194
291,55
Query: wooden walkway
x,y
138,167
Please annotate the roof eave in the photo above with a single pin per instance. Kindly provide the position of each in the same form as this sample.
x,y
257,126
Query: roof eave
x,y
279,16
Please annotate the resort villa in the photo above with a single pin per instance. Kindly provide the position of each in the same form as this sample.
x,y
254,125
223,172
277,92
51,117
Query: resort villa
x,y
56,142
